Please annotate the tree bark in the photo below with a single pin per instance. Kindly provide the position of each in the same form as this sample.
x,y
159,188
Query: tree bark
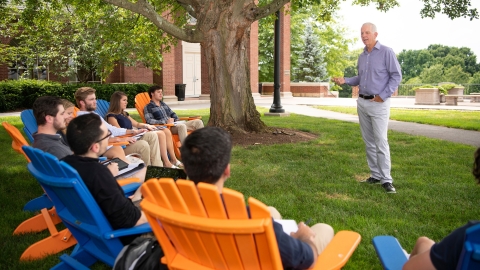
x,y
226,52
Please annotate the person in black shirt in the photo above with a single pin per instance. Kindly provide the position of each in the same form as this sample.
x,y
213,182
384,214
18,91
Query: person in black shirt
x,y
88,139
206,157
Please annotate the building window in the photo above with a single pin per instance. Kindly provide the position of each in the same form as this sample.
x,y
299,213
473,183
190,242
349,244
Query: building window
x,y
23,68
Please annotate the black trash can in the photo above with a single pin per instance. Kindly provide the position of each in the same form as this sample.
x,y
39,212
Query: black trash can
x,y
180,91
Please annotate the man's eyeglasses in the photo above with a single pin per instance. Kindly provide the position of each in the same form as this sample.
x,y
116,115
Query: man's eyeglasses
x,y
109,133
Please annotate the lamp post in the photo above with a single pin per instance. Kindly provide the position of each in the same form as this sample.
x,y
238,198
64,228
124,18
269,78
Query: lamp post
x,y
276,106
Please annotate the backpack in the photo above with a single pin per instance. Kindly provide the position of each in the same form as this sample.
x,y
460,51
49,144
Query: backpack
x,y
143,253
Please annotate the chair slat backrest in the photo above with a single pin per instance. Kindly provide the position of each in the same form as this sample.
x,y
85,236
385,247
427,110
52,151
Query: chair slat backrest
x,y
75,111
74,204
470,258
141,100
29,123
17,138
203,229
102,107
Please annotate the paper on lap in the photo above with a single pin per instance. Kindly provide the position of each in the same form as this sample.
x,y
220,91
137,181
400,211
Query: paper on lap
x,y
289,225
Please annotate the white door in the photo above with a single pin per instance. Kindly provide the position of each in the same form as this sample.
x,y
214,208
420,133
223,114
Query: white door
x,y
192,69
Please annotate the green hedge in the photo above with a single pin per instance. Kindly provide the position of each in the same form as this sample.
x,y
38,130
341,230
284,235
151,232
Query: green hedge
x,y
19,95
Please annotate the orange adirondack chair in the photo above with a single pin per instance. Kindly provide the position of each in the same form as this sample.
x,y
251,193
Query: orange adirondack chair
x,y
197,230
141,100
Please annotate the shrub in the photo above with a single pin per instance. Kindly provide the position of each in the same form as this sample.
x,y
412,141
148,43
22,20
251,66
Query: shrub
x,y
20,94
441,88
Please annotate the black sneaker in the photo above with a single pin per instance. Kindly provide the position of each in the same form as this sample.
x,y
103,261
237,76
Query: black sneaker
x,y
389,187
371,180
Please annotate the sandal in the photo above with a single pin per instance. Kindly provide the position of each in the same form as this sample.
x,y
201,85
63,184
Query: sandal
x,y
178,163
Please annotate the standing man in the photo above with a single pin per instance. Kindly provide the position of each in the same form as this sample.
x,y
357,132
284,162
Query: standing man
x,y
378,77
157,112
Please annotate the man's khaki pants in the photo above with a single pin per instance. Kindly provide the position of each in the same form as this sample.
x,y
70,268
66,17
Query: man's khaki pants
x,y
148,148
181,129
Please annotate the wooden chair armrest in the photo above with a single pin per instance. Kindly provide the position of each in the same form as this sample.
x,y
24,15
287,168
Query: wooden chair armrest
x,y
118,143
389,252
188,118
166,125
126,181
338,251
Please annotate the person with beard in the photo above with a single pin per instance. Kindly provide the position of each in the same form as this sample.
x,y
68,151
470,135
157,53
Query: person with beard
x,y
50,116
88,139
52,119
148,146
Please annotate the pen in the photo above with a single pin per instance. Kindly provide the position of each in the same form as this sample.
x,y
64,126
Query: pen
x,y
308,221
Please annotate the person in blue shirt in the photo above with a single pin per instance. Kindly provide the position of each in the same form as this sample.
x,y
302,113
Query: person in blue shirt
x,y
378,77
206,157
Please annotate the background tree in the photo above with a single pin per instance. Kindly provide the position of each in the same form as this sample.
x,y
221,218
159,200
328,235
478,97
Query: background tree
x,y
350,71
310,66
330,35
474,83
456,75
433,74
77,42
414,62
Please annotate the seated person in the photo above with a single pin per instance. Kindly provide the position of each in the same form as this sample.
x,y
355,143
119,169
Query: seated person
x,y
112,152
118,117
88,138
206,158
427,254
157,112
147,146
50,116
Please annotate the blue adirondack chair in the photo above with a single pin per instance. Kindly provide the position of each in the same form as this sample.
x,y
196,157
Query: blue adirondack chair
x,y
392,257
102,107
79,212
29,123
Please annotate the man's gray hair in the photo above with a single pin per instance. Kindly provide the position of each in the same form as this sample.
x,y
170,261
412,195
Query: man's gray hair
x,y
372,26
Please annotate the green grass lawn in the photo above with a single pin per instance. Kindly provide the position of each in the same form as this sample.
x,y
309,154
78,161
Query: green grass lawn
x,y
436,191
462,119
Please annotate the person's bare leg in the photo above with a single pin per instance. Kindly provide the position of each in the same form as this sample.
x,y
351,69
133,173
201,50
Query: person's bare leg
x,y
163,149
423,244
169,141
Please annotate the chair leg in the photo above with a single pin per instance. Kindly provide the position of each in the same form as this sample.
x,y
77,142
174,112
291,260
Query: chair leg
x,y
50,245
39,222
38,203
79,259
176,145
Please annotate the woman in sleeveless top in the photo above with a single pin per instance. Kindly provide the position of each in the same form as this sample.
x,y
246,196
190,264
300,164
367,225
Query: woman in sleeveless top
x,y
117,116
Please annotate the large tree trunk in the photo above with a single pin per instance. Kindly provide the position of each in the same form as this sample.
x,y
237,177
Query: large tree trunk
x,y
226,52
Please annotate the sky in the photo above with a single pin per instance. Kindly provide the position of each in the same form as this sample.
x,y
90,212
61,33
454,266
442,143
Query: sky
x,y
403,28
